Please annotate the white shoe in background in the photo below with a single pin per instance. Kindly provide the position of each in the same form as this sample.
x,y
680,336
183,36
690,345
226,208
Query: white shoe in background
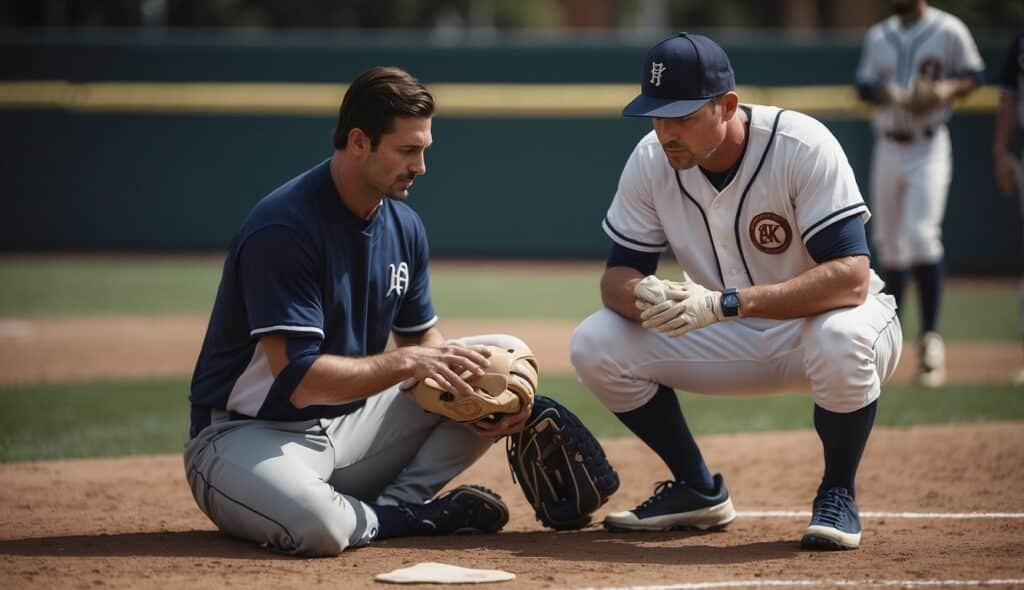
x,y
933,361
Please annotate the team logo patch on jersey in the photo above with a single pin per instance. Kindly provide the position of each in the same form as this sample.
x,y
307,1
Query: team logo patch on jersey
x,y
399,279
770,233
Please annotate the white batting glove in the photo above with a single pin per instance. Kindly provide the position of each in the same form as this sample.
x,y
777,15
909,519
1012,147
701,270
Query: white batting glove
x,y
683,307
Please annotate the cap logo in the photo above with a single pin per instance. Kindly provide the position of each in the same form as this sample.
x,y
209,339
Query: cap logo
x,y
657,68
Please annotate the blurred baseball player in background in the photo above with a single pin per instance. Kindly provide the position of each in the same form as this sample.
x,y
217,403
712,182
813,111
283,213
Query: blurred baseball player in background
x,y
300,437
913,65
1008,119
760,207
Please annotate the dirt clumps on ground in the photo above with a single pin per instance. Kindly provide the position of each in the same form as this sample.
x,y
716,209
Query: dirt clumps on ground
x,y
131,522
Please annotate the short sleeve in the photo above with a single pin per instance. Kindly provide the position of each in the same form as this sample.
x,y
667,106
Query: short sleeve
x,y
824,185
1010,73
966,57
632,221
279,283
416,312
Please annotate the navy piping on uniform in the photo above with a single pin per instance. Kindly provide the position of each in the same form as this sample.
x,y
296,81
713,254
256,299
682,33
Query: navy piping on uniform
x,y
631,240
882,331
916,44
707,226
894,40
743,198
831,215
247,507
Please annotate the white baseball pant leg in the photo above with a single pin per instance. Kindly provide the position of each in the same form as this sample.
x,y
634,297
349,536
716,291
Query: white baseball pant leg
x,y
909,189
842,357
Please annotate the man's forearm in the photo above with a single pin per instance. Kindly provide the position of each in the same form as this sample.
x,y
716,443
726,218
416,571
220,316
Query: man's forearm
x,y
334,380
842,282
617,284
1006,124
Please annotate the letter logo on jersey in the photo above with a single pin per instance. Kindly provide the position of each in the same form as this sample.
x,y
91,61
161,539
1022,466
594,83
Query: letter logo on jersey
x,y
399,279
770,233
657,69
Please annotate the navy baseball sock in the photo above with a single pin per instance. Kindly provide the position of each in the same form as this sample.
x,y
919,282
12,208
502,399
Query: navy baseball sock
x,y
929,285
843,437
661,425
392,521
896,283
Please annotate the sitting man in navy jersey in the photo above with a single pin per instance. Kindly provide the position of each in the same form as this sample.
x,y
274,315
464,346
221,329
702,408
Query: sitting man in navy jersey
x,y
301,439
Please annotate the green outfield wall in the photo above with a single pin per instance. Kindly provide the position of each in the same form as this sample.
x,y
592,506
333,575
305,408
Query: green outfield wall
x,y
122,142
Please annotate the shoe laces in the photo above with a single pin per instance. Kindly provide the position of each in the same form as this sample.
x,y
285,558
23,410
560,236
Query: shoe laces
x,y
831,505
661,490
431,515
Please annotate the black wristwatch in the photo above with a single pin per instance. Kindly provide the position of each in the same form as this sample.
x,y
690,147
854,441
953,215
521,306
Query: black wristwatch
x,y
730,303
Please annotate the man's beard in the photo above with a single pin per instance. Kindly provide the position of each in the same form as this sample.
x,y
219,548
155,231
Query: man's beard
x,y
901,9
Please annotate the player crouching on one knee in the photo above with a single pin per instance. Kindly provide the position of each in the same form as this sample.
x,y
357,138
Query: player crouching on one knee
x,y
301,439
761,209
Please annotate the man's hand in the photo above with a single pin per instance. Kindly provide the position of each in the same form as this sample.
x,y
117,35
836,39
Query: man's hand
x,y
891,93
675,308
444,363
1007,172
509,424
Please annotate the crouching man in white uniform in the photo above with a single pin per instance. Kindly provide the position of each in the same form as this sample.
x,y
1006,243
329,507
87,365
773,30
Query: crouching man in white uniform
x,y
761,209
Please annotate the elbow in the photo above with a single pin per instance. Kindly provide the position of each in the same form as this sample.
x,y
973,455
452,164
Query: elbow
x,y
300,399
608,288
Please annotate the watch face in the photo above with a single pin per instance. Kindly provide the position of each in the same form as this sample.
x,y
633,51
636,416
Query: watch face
x,y
730,304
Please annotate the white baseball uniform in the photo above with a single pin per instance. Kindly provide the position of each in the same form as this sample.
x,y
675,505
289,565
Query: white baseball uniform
x,y
912,164
794,180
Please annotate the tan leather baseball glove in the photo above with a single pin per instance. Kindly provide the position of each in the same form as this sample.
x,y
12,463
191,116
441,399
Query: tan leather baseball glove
x,y
924,98
509,382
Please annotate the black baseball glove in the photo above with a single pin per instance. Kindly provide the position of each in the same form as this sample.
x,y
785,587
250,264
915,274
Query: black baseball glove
x,y
560,466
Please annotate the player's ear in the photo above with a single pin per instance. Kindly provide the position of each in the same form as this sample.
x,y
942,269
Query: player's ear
x,y
358,141
729,102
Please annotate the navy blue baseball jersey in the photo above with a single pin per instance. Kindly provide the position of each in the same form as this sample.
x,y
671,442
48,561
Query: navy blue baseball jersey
x,y
305,266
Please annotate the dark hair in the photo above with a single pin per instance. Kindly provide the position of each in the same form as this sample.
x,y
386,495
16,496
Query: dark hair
x,y
375,98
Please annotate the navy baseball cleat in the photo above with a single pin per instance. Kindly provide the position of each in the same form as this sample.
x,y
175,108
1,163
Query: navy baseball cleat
x,y
465,510
676,506
835,523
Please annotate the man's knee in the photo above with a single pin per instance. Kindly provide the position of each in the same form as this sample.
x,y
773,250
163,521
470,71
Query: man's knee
x,y
324,524
589,350
925,245
840,364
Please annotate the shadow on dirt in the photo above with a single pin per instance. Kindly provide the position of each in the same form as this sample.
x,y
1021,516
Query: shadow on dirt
x,y
674,548
162,544
671,548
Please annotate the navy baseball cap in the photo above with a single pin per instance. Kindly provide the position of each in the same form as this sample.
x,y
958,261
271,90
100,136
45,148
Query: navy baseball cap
x,y
681,74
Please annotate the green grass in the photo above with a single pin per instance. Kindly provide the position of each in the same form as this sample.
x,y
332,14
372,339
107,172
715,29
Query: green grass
x,y
135,417
970,313
136,285
490,294
38,286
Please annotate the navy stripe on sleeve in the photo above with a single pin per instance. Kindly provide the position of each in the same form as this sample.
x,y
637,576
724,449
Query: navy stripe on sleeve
x,y
617,234
646,263
845,237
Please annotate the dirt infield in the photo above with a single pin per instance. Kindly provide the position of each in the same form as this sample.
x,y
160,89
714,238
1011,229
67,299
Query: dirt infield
x,y
61,349
130,522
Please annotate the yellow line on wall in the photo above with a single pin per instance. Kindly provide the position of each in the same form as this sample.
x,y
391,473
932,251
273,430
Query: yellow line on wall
x,y
455,100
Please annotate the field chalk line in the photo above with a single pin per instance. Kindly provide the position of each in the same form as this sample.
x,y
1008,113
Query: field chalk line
x,y
874,514
816,583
